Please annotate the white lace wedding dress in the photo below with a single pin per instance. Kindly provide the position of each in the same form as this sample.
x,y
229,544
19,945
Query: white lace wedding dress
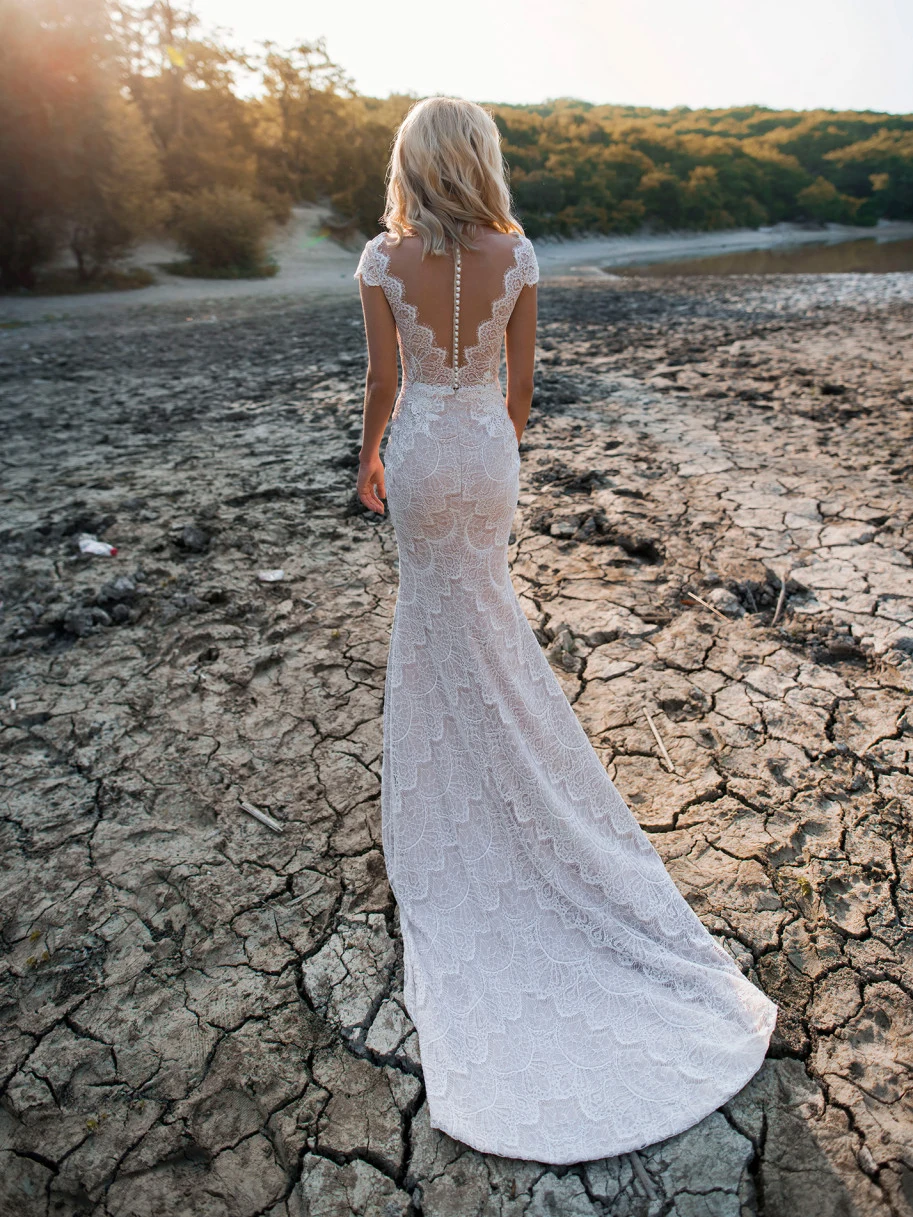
x,y
569,1003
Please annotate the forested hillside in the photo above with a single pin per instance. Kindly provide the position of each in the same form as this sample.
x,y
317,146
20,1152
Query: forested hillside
x,y
610,168
117,120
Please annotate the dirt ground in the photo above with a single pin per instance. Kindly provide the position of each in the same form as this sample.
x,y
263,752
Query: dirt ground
x,y
202,1017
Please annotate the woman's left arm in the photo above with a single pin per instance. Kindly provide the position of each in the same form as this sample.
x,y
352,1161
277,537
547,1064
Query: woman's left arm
x,y
521,358
380,393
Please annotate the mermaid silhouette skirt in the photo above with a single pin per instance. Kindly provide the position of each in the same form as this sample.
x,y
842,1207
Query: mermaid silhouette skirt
x,y
569,1003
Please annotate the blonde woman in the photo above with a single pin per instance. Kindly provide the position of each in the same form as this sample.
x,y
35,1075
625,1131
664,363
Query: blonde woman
x,y
569,1004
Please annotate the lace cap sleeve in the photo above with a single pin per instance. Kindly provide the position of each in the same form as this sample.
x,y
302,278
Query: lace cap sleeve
x,y
369,267
527,263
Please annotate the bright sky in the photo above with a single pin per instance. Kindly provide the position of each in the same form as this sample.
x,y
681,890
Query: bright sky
x,y
788,54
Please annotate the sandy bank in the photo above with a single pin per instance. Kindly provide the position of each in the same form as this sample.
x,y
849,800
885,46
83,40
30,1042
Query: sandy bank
x,y
312,267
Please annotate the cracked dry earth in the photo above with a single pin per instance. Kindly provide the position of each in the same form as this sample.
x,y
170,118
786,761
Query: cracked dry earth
x,y
203,1017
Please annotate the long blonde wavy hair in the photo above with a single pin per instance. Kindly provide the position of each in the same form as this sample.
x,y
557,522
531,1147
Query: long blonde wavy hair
x,y
447,176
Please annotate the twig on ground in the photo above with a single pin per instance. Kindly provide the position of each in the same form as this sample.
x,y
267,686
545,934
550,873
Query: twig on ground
x,y
662,746
642,1177
781,600
261,816
692,596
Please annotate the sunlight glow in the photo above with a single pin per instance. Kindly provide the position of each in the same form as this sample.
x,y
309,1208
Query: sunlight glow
x,y
799,54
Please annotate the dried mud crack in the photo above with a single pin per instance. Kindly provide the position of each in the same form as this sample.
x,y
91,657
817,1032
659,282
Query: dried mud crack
x,y
201,1016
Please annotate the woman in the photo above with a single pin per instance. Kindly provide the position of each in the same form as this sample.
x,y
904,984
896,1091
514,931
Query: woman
x,y
569,1003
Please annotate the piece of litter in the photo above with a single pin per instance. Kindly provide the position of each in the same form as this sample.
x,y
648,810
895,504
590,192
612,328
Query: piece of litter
x,y
261,816
91,545
662,746
270,576
13,703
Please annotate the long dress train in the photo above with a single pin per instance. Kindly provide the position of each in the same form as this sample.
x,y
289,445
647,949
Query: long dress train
x,y
569,1003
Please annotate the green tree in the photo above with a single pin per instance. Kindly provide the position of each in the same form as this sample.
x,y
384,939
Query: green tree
x,y
31,144
823,201
358,186
661,193
303,121
111,197
879,170
78,166
184,82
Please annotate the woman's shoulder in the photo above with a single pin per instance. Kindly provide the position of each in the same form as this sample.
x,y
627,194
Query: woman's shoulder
x,y
519,242
376,243
526,260
498,237
517,249
371,263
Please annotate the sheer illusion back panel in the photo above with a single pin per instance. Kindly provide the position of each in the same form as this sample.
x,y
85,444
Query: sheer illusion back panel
x,y
420,292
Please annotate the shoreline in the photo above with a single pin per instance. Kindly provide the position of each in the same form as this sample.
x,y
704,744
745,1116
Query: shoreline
x,y
587,254
313,267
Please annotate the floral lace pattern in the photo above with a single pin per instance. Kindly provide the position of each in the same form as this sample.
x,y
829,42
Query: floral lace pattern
x,y
569,1003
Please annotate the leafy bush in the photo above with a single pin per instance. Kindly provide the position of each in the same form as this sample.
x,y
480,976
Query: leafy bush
x,y
193,270
222,233
67,281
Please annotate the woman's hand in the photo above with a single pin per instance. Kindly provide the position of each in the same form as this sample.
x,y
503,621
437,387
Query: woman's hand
x,y
371,483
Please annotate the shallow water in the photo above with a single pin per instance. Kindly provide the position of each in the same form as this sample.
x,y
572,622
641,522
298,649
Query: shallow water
x,y
867,256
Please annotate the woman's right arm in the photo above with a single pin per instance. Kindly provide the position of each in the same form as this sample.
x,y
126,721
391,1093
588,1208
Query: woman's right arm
x,y
521,357
380,393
